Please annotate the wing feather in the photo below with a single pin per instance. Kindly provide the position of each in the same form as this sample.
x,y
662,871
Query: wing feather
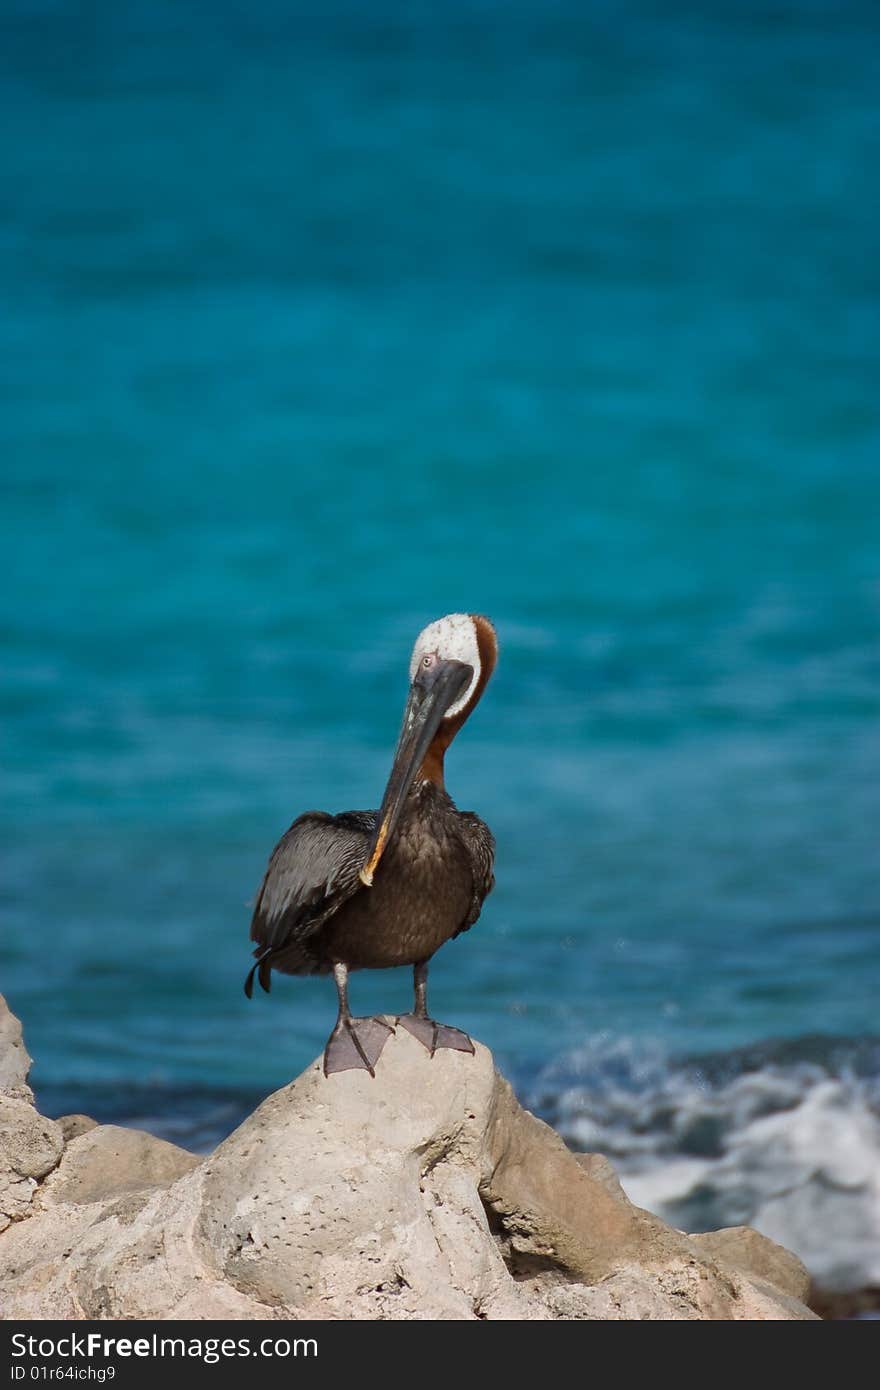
x,y
312,870
480,843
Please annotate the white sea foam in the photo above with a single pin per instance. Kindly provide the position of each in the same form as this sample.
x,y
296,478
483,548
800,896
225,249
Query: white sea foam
x,y
785,1138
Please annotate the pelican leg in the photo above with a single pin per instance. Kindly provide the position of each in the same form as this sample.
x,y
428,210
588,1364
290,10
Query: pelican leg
x,y
355,1043
429,1033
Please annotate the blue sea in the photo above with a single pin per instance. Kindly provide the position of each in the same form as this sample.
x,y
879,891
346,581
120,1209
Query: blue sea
x,y
318,322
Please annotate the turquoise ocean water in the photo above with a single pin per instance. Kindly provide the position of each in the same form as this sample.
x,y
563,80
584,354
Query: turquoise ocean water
x,y
319,322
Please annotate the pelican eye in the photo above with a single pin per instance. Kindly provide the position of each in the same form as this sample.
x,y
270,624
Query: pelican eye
x,y
428,661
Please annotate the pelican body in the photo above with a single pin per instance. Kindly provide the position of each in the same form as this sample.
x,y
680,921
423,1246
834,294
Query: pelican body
x,y
367,890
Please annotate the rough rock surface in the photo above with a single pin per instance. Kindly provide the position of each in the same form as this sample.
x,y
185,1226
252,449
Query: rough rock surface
x,y
14,1060
756,1256
425,1193
30,1147
107,1161
72,1126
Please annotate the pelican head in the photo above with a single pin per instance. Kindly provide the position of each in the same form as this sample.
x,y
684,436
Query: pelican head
x,y
449,669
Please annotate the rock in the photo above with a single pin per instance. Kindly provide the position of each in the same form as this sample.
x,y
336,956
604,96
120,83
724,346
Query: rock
x,y
550,1206
72,1126
106,1161
15,1063
680,1292
30,1147
354,1198
425,1193
600,1170
758,1257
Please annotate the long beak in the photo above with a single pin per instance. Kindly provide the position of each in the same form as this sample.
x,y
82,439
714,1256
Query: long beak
x,y
430,696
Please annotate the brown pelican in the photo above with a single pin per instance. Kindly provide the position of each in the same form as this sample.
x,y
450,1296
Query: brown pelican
x,y
373,889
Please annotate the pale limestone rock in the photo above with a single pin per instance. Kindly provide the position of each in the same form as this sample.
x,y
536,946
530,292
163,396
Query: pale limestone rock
x,y
553,1209
107,1161
682,1291
30,1147
72,1126
756,1256
14,1060
425,1193
601,1170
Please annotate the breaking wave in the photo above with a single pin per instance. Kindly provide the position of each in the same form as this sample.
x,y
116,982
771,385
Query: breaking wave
x,y
783,1136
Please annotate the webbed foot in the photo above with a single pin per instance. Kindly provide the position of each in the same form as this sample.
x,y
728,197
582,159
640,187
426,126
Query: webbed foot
x,y
433,1035
356,1044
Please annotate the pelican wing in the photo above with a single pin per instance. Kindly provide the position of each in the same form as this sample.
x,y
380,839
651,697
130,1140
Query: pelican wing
x,y
480,844
312,870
